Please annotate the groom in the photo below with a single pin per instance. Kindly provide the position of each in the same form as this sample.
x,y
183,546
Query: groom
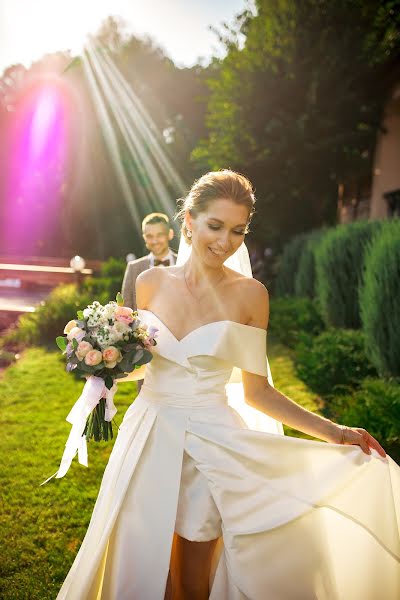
x,y
157,233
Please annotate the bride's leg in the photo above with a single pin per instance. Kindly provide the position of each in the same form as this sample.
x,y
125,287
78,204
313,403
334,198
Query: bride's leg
x,y
190,569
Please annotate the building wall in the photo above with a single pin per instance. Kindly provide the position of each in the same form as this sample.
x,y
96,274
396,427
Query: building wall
x,y
386,171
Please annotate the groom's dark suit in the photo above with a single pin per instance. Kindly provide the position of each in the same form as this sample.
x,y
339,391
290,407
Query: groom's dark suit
x,y
133,269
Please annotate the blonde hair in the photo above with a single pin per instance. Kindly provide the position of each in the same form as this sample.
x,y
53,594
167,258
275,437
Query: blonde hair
x,y
215,185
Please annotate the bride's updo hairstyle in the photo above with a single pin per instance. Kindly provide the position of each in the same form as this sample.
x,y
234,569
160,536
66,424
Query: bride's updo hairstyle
x,y
216,185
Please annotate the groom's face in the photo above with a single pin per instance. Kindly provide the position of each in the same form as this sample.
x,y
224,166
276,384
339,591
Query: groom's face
x,y
156,237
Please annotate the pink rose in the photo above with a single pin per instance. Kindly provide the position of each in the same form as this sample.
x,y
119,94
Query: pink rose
x,y
93,358
76,333
124,314
82,349
70,325
111,356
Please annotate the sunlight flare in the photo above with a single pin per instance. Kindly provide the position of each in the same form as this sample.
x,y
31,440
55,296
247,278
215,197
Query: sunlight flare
x,y
144,170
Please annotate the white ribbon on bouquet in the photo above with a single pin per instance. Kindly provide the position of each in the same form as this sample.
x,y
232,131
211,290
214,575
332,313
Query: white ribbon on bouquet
x,y
93,391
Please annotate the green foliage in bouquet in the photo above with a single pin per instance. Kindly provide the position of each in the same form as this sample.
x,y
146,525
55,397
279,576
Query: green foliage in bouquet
x,y
339,266
292,318
380,300
335,359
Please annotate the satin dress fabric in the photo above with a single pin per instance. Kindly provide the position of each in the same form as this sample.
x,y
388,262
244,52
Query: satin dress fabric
x,y
298,519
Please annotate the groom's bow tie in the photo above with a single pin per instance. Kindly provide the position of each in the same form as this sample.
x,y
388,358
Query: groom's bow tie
x,y
163,263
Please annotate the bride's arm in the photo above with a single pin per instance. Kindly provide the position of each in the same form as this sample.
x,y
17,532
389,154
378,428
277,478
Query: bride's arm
x,y
260,394
135,375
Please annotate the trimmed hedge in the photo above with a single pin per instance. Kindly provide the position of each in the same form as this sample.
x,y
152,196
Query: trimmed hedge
x,y
334,359
305,279
339,266
289,264
292,318
380,300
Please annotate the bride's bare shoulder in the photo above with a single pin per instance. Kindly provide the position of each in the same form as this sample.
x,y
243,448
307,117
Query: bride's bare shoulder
x,y
247,284
254,298
146,285
149,282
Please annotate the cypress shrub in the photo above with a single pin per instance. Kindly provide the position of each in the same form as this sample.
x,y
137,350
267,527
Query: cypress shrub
x,y
293,318
380,299
304,285
289,264
339,259
335,359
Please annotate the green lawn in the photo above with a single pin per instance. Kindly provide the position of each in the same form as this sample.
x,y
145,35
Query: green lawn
x,y
285,380
41,527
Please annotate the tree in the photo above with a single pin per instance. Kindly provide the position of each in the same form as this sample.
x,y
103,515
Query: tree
x,y
297,107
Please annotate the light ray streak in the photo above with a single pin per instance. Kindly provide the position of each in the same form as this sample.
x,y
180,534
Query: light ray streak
x,y
134,135
114,96
113,103
149,129
111,140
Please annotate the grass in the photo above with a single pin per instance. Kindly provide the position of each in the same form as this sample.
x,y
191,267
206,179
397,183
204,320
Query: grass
x,y
286,381
41,528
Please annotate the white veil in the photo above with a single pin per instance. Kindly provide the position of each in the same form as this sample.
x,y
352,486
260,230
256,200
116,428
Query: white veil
x,y
254,419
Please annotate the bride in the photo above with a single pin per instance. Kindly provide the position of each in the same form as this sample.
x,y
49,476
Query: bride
x,y
197,504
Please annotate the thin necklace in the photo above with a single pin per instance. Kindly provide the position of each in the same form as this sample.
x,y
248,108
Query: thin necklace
x,y
190,291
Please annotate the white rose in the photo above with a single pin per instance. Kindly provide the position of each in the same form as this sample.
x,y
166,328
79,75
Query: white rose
x,y
121,329
76,333
70,325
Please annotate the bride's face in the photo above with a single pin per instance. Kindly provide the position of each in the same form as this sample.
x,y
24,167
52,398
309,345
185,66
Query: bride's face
x,y
218,231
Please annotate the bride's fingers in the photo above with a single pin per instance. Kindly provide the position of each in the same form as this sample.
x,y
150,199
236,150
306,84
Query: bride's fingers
x,y
373,443
362,438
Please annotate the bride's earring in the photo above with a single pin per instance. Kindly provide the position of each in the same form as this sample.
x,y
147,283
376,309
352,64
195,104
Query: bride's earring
x,y
188,233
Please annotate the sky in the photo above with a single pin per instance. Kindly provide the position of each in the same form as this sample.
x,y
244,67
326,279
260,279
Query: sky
x,y
31,28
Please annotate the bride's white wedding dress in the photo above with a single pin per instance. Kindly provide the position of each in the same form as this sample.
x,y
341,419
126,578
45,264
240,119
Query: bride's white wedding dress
x,y
299,519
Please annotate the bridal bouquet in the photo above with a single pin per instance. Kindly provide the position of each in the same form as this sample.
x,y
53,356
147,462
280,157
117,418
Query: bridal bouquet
x,y
103,344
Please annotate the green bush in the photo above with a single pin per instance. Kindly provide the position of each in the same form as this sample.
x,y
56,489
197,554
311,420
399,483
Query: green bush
x,y
334,359
108,283
380,299
375,406
305,279
51,316
60,306
289,264
291,318
339,265
6,358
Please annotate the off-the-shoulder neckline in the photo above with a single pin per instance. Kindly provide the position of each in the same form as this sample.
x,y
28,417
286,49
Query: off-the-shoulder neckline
x,y
201,326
